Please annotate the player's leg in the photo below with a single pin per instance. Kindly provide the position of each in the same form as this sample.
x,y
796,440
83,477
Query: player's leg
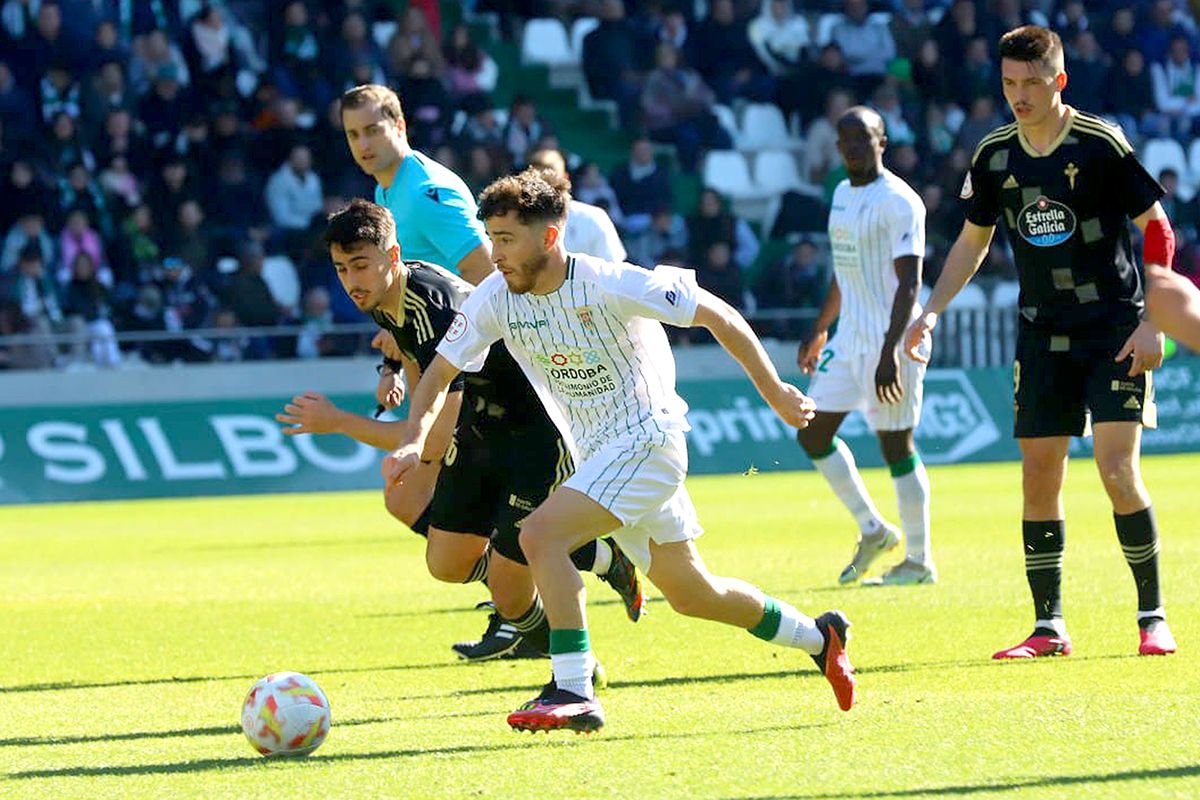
x,y
679,572
1121,406
837,388
409,501
912,498
1174,305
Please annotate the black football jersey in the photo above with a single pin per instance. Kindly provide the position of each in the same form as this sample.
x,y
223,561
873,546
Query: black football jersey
x,y
1067,215
432,297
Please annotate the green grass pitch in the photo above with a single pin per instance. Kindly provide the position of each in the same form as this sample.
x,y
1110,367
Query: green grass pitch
x,y
131,631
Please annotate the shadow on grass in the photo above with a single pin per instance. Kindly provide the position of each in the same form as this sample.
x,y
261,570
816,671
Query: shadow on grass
x,y
215,730
1164,773
255,762
432,612
284,545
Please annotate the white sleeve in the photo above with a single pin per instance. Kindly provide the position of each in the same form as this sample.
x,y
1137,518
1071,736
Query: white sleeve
x,y
906,226
667,294
474,330
610,240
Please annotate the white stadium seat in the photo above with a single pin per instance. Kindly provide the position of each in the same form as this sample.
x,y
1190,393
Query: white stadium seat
x,y
728,173
544,41
764,128
776,171
1160,154
580,29
727,119
280,275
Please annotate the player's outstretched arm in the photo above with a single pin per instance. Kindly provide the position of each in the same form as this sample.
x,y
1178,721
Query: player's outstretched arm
x,y
810,349
1174,305
961,264
735,335
425,407
312,412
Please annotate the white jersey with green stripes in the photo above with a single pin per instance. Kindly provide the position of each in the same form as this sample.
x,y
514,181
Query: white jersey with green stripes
x,y
594,350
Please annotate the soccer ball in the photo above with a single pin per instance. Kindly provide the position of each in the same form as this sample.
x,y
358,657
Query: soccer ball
x,y
286,714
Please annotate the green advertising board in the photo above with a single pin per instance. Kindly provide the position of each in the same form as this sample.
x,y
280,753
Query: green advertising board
x,y
175,449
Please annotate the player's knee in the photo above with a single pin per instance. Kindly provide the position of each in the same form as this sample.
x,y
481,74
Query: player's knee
x,y
692,601
1119,475
401,507
533,539
448,567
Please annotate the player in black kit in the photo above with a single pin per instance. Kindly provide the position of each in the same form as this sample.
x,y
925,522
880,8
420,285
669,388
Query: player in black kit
x,y
1064,184
506,455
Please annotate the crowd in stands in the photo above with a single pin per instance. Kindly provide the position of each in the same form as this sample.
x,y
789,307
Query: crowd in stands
x,y
167,166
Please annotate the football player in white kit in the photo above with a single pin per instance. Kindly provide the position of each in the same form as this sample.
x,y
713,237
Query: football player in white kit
x,y
877,233
588,334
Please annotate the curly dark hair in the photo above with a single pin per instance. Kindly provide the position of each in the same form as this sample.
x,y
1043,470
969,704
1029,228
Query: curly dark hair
x,y
360,221
536,194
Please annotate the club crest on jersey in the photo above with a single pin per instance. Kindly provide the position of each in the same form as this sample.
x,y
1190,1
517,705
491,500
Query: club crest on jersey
x,y
1046,222
585,318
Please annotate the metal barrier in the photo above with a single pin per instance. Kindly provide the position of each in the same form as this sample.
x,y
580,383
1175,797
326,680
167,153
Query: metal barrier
x,y
975,337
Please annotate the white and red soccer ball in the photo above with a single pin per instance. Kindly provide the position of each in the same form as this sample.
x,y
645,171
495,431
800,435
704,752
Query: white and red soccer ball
x,y
286,714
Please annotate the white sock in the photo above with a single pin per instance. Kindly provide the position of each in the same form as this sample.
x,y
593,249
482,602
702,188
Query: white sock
x,y
840,471
798,630
1159,612
603,557
1057,625
573,672
912,495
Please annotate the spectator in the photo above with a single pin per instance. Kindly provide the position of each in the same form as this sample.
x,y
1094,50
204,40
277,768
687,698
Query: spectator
x,y
228,348
589,229
1119,37
821,154
958,27
677,108
190,239
236,206
425,105
293,197
59,93
673,29
354,45
867,44
798,282
482,127
887,102
978,76
164,108
138,245
23,193
484,165
1182,213
174,186
711,223
590,186
107,92
609,59
48,45
279,135
664,242
30,230
187,304
931,77
147,314
415,41
106,47
209,46
66,146
155,52
17,111
1131,96
982,120
1088,85
251,301
911,26
808,90
298,58
36,294
524,128
1070,21
719,48
1177,89
78,236
641,185
315,341
779,36
1155,37
717,273
469,70
85,296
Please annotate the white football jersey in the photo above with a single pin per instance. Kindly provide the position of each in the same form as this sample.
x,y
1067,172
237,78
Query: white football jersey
x,y
591,231
869,228
594,350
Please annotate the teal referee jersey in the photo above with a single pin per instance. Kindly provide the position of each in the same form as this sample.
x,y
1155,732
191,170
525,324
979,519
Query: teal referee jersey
x,y
434,212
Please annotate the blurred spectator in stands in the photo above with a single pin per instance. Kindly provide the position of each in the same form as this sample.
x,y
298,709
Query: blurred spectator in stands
x,y
820,152
609,59
886,100
355,44
279,135
46,44
229,133
469,70
59,93
866,43
30,230
37,294
1069,21
209,49
236,206
106,47
677,109
799,212
589,229
978,75
136,249
228,349
144,315
673,29
959,26
426,106
195,144
293,197
717,273
711,223
1131,96
187,304
807,91
1005,15
250,299
779,36
1156,34
297,58
66,147
590,186
523,130
85,296
24,193
1088,84
1119,36
78,236
17,110
1182,213
190,239
932,79
153,53
1177,90
903,160
940,129
482,126
414,40
484,165
911,27
641,185
943,221
315,341
665,241
164,108
799,282
173,186
982,120
720,51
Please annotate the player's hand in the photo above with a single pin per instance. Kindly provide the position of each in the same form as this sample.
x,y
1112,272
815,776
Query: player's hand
x,y
310,413
389,393
809,354
1146,344
384,343
919,340
398,464
887,377
793,406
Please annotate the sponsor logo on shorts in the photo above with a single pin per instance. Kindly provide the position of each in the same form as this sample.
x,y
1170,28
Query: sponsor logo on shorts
x,y
521,503
1046,222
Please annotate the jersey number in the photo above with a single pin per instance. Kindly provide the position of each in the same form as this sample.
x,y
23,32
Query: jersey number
x,y
826,357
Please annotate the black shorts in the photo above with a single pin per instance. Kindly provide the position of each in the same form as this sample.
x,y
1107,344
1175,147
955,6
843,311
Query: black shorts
x,y
1061,381
493,477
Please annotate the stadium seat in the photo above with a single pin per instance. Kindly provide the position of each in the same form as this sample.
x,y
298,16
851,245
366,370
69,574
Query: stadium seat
x,y
280,274
775,171
1160,154
544,41
1005,294
764,128
579,29
728,120
728,173
382,33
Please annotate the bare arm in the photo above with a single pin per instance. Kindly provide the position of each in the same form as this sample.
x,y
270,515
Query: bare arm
x,y
425,405
1146,344
477,264
810,351
961,264
312,412
734,334
887,374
